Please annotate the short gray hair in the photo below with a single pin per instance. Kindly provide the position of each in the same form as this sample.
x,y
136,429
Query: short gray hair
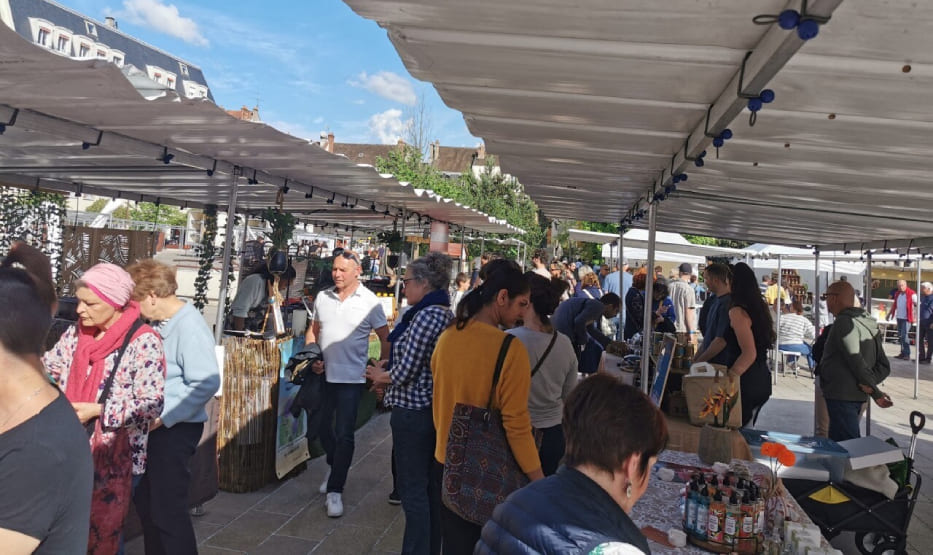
x,y
433,268
926,285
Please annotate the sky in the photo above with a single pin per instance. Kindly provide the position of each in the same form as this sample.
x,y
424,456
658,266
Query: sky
x,y
310,65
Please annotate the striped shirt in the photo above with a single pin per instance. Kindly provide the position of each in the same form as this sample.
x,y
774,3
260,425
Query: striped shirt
x,y
795,328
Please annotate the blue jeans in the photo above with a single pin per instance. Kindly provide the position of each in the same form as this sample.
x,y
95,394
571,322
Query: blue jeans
x,y
843,419
801,348
413,441
337,432
903,326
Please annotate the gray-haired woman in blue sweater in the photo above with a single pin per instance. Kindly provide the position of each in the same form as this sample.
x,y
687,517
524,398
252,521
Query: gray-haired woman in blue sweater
x,y
191,379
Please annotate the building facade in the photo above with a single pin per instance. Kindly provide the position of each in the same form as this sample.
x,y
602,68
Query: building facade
x,y
68,33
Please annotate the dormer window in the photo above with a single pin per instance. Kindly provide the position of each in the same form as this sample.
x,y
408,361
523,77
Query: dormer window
x,y
170,83
183,69
118,61
101,55
91,28
63,44
42,38
84,51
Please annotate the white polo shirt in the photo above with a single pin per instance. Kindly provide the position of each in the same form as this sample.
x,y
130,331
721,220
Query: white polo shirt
x,y
345,328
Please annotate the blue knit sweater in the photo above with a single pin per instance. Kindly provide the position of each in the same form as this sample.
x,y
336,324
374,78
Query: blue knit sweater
x,y
191,373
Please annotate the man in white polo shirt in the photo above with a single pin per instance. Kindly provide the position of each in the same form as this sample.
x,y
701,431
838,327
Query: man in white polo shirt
x,y
343,317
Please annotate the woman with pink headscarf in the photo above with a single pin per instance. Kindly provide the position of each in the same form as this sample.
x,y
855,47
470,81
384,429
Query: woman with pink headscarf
x,y
111,367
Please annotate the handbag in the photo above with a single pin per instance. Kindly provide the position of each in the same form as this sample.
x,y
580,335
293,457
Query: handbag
x,y
480,470
699,384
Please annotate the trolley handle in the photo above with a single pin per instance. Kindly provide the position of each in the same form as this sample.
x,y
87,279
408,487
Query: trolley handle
x,y
917,421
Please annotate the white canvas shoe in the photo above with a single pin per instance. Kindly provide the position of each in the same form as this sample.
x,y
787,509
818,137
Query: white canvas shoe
x,y
323,488
334,504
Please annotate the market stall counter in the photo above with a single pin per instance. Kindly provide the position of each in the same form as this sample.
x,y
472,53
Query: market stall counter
x,y
661,510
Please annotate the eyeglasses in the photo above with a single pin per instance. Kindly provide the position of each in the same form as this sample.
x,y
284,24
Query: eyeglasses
x,y
406,280
350,256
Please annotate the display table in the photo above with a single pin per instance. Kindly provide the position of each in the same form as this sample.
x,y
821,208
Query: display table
x,y
661,507
683,436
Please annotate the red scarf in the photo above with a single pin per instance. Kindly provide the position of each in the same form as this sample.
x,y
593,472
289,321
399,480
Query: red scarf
x,y
83,387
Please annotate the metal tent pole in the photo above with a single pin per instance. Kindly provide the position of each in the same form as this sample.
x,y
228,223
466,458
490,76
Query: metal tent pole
x,y
868,308
621,281
816,293
649,290
228,246
398,266
777,322
462,248
919,337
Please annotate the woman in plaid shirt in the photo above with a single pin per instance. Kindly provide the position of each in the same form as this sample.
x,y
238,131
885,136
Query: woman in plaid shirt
x,y
408,373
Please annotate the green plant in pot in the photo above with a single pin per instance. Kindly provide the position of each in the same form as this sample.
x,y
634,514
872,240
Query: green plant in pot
x,y
394,240
716,438
283,226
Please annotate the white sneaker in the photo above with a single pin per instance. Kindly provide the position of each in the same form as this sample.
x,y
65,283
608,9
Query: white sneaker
x,y
323,488
334,504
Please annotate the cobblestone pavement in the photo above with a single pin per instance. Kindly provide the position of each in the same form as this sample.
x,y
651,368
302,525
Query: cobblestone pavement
x,y
288,518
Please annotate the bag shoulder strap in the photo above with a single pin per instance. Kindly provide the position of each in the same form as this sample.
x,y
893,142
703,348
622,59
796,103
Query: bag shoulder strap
x,y
108,385
544,356
504,350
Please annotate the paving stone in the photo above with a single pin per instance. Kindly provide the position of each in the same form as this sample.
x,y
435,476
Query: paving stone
x,y
312,523
248,531
392,540
348,539
284,545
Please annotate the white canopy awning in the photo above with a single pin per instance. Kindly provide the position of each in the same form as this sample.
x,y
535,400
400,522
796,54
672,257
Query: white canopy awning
x,y
669,243
81,126
590,103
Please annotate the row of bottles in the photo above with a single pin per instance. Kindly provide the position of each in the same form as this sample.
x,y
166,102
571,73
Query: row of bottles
x,y
727,511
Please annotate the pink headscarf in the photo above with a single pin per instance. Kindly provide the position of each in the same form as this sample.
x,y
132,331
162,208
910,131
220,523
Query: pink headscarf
x,y
110,282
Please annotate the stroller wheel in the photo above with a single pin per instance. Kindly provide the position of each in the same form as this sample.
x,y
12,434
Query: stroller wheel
x,y
872,543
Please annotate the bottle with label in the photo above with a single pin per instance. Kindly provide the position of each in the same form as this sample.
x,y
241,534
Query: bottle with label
x,y
717,517
747,525
733,518
702,513
690,512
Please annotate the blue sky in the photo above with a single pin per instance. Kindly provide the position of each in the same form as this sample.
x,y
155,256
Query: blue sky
x,y
312,65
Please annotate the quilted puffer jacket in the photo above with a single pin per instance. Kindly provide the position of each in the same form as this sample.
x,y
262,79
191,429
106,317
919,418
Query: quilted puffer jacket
x,y
566,513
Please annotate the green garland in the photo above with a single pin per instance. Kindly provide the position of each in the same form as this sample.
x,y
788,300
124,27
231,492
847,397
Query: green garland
x,y
231,273
37,218
206,253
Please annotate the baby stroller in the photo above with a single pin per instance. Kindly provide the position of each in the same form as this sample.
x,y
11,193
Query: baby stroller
x,y
880,524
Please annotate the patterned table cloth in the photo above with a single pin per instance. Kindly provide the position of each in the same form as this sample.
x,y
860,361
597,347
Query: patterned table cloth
x,y
662,505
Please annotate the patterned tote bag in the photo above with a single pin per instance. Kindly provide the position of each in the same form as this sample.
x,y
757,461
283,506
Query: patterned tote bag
x,y
480,471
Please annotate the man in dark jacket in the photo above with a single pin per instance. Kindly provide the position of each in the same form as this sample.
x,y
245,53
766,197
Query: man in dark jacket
x,y
847,367
584,507
578,319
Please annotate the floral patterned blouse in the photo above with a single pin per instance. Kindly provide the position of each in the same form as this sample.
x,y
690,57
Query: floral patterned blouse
x,y
137,394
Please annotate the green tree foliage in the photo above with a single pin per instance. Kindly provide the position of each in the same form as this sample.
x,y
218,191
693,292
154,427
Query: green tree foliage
x,y
144,212
493,193
713,242
591,252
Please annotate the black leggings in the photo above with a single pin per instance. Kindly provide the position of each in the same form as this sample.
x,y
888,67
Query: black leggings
x,y
552,448
458,536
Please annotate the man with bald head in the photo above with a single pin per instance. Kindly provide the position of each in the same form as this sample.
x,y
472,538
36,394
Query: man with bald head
x,y
905,299
851,353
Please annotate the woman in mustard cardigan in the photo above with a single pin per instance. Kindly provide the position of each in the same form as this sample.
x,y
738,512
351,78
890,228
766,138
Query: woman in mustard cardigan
x,y
463,364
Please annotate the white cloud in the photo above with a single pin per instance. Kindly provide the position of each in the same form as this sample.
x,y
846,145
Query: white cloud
x,y
387,126
387,85
295,130
359,102
164,18
318,120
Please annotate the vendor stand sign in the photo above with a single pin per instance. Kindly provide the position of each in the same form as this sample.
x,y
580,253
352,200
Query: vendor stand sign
x,y
291,442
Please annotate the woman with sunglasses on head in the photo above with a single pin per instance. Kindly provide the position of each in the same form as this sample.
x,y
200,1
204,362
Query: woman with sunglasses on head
x,y
463,365
408,373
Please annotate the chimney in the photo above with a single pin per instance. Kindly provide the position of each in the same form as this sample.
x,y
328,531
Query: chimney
x,y
435,151
330,142
111,21
481,151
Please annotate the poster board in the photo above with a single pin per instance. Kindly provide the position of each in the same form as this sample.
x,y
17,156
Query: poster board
x,y
291,443
662,369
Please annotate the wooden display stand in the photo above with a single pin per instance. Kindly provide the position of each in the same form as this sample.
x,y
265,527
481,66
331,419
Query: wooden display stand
x,y
246,436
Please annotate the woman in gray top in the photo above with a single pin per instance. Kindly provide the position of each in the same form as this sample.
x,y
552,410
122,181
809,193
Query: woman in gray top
x,y
553,368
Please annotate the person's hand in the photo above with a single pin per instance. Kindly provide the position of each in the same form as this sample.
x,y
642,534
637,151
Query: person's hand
x,y
378,374
692,338
86,411
662,310
884,401
317,367
156,424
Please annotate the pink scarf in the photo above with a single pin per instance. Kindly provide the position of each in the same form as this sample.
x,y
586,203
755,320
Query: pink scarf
x,y
82,386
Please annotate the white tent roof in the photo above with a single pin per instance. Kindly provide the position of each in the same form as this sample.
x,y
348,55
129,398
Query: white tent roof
x,y
590,103
669,243
82,126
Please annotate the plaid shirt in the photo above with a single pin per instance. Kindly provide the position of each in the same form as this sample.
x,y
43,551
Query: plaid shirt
x,y
412,384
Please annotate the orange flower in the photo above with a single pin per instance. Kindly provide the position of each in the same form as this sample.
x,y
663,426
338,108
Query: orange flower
x,y
787,457
770,449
